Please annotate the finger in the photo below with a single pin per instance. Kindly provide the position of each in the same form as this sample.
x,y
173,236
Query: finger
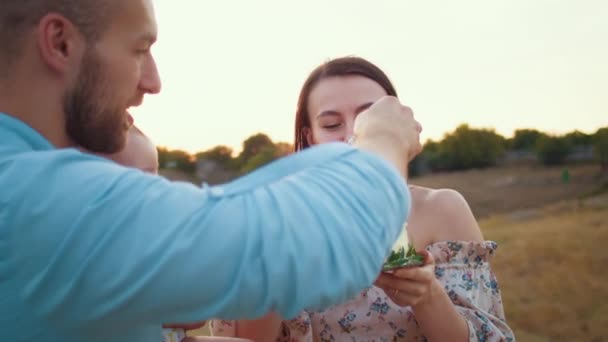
x,y
428,257
390,285
416,274
407,110
412,289
387,280
405,299
400,275
401,298
418,126
409,288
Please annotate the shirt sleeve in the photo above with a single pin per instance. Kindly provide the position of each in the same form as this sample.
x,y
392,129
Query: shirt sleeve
x,y
102,245
463,268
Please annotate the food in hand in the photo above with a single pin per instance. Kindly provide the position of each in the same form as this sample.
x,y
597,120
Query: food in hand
x,y
402,254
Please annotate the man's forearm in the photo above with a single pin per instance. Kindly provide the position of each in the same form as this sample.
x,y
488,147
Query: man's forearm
x,y
276,240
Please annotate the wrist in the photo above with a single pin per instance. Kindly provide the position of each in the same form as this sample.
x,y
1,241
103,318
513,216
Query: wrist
x,y
389,148
433,297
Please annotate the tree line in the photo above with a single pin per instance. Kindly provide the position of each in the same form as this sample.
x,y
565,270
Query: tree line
x,y
464,148
257,151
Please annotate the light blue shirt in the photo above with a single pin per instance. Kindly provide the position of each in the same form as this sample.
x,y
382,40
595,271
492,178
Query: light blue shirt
x,y
92,251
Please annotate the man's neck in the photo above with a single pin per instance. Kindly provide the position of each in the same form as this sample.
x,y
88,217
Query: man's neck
x,y
35,109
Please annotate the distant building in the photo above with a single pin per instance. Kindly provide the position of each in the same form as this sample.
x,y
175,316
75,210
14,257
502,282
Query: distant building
x,y
519,157
171,164
581,154
211,172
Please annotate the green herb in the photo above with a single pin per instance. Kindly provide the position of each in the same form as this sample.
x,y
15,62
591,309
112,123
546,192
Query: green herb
x,y
402,258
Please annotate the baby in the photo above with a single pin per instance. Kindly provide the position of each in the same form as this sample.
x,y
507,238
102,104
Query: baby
x,y
140,153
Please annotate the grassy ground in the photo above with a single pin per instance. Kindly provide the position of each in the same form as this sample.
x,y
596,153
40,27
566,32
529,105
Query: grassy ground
x,y
552,270
512,189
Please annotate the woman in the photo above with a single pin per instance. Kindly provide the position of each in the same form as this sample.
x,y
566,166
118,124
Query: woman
x,y
453,297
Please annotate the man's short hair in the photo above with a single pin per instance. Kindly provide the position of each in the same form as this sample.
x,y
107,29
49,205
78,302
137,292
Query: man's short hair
x,y
17,17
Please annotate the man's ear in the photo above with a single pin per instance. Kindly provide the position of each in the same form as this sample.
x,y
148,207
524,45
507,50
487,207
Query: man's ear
x,y
59,42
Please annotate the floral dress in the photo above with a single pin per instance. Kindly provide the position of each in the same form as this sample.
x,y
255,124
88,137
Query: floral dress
x,y
173,335
463,269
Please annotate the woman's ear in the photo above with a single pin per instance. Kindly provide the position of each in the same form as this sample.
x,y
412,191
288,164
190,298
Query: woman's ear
x,y
308,135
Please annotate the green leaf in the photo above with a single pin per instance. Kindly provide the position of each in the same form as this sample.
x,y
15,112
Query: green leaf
x,y
403,258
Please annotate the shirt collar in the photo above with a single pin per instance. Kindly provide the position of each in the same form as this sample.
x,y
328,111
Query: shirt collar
x,y
16,134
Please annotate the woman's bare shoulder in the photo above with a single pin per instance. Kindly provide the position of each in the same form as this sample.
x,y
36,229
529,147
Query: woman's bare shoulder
x,y
445,215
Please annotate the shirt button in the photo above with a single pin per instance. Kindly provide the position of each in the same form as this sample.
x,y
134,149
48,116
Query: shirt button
x,y
217,191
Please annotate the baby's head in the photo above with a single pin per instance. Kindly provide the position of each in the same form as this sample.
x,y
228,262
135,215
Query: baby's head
x,y
139,152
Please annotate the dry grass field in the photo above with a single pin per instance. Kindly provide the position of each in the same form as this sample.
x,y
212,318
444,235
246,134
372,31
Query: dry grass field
x,y
552,270
516,189
553,238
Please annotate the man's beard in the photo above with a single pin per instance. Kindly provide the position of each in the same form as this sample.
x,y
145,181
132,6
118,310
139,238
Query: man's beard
x,y
91,121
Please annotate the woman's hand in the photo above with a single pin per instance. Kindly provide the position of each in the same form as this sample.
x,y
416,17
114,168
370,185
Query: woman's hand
x,y
410,286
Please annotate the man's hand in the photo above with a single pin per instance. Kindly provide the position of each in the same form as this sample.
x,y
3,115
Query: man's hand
x,y
389,129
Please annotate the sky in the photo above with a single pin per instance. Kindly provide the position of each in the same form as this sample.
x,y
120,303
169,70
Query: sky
x,y
232,68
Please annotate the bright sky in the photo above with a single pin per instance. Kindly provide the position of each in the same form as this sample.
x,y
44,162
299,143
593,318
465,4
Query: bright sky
x,y
234,68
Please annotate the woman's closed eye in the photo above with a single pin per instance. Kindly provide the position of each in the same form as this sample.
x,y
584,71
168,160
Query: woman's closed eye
x,y
331,126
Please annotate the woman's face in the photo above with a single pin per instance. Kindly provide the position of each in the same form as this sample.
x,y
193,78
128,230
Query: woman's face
x,y
335,102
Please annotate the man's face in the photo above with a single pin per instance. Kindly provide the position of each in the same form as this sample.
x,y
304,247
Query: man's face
x,y
115,73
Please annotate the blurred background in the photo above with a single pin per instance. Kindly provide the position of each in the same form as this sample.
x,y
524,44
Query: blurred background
x,y
512,96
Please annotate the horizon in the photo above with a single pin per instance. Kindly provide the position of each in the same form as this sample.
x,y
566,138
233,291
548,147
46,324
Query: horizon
x,y
239,149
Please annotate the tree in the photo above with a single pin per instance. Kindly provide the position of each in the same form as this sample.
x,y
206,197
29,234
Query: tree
x,y
552,150
263,157
254,145
600,147
267,154
427,160
526,139
163,156
470,148
176,159
283,149
578,138
259,150
221,154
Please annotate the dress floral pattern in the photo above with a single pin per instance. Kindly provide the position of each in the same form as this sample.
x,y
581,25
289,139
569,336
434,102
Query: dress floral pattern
x,y
463,269
173,335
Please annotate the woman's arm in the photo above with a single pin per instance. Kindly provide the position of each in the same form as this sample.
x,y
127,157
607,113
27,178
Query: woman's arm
x,y
262,329
452,314
438,318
